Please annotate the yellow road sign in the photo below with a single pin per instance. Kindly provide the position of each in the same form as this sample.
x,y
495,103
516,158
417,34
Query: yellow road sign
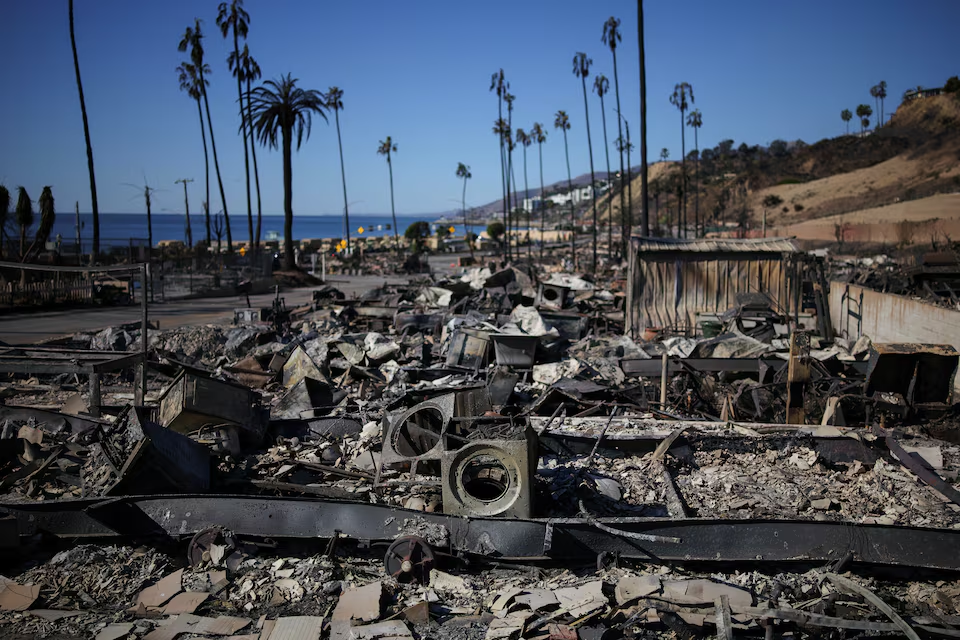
x,y
360,230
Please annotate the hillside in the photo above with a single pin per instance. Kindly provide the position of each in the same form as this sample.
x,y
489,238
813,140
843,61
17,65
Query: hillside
x,y
914,156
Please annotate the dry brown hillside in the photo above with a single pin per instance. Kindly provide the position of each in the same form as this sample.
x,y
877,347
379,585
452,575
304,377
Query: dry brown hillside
x,y
930,165
916,155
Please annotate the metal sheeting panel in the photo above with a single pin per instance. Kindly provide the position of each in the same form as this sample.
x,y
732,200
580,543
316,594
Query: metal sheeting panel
x,y
667,291
715,245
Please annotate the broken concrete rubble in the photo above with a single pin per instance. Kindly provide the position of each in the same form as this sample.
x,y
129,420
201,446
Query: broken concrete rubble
x,y
486,456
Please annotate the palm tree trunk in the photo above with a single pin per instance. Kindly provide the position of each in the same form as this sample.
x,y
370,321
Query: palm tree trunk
x,y
343,178
683,174
696,193
393,210
256,173
510,206
86,134
206,165
593,178
243,132
543,204
573,213
606,148
623,208
513,212
289,261
463,207
216,165
644,200
526,196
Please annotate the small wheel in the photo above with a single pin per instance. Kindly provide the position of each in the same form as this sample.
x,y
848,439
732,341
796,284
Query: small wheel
x,y
200,547
409,559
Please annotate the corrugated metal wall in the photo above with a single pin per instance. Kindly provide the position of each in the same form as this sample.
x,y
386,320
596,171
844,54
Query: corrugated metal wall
x,y
668,289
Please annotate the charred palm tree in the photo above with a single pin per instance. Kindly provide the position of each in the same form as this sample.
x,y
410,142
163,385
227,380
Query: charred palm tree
x,y
525,140
502,130
498,83
463,172
282,110
250,71
695,120
581,69
190,80
611,37
601,87
193,40
562,121
231,18
335,102
678,98
86,135
540,136
387,148
4,212
47,219
24,217
511,205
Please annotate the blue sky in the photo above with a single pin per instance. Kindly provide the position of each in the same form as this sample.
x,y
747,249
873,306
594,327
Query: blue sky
x,y
420,71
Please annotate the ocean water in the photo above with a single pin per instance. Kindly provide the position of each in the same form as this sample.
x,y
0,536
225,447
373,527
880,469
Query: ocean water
x,y
116,229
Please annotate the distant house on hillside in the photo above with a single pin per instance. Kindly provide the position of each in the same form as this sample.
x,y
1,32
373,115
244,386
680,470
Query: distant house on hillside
x,y
920,92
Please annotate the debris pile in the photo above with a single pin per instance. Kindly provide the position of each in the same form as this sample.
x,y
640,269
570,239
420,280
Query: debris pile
x,y
484,455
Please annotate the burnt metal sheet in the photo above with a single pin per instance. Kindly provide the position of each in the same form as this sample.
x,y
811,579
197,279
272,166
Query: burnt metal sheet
x,y
651,367
667,288
701,540
192,402
516,351
921,373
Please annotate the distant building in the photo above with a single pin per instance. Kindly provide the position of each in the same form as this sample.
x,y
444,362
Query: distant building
x,y
919,92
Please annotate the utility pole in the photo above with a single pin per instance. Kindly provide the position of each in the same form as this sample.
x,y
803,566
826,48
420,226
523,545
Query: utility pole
x,y
186,205
644,211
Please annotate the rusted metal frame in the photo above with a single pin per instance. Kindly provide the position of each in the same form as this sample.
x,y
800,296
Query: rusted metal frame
x,y
928,476
808,543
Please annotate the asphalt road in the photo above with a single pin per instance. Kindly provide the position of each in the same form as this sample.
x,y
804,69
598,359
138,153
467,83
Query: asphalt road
x,y
29,328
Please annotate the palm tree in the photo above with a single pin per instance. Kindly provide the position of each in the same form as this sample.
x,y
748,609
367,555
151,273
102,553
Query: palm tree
x,y
525,141
24,217
881,93
232,17
4,212
193,40
335,102
562,121
281,107
250,72
463,171
875,93
644,199
499,84
502,130
581,69
47,219
540,136
601,86
695,120
846,116
190,81
508,142
664,154
681,92
387,148
86,134
611,36
863,114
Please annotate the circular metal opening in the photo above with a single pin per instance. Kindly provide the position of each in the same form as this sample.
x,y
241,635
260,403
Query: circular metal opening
x,y
419,433
485,478
551,294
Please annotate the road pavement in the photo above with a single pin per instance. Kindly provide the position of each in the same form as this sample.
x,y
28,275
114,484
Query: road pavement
x,y
32,327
